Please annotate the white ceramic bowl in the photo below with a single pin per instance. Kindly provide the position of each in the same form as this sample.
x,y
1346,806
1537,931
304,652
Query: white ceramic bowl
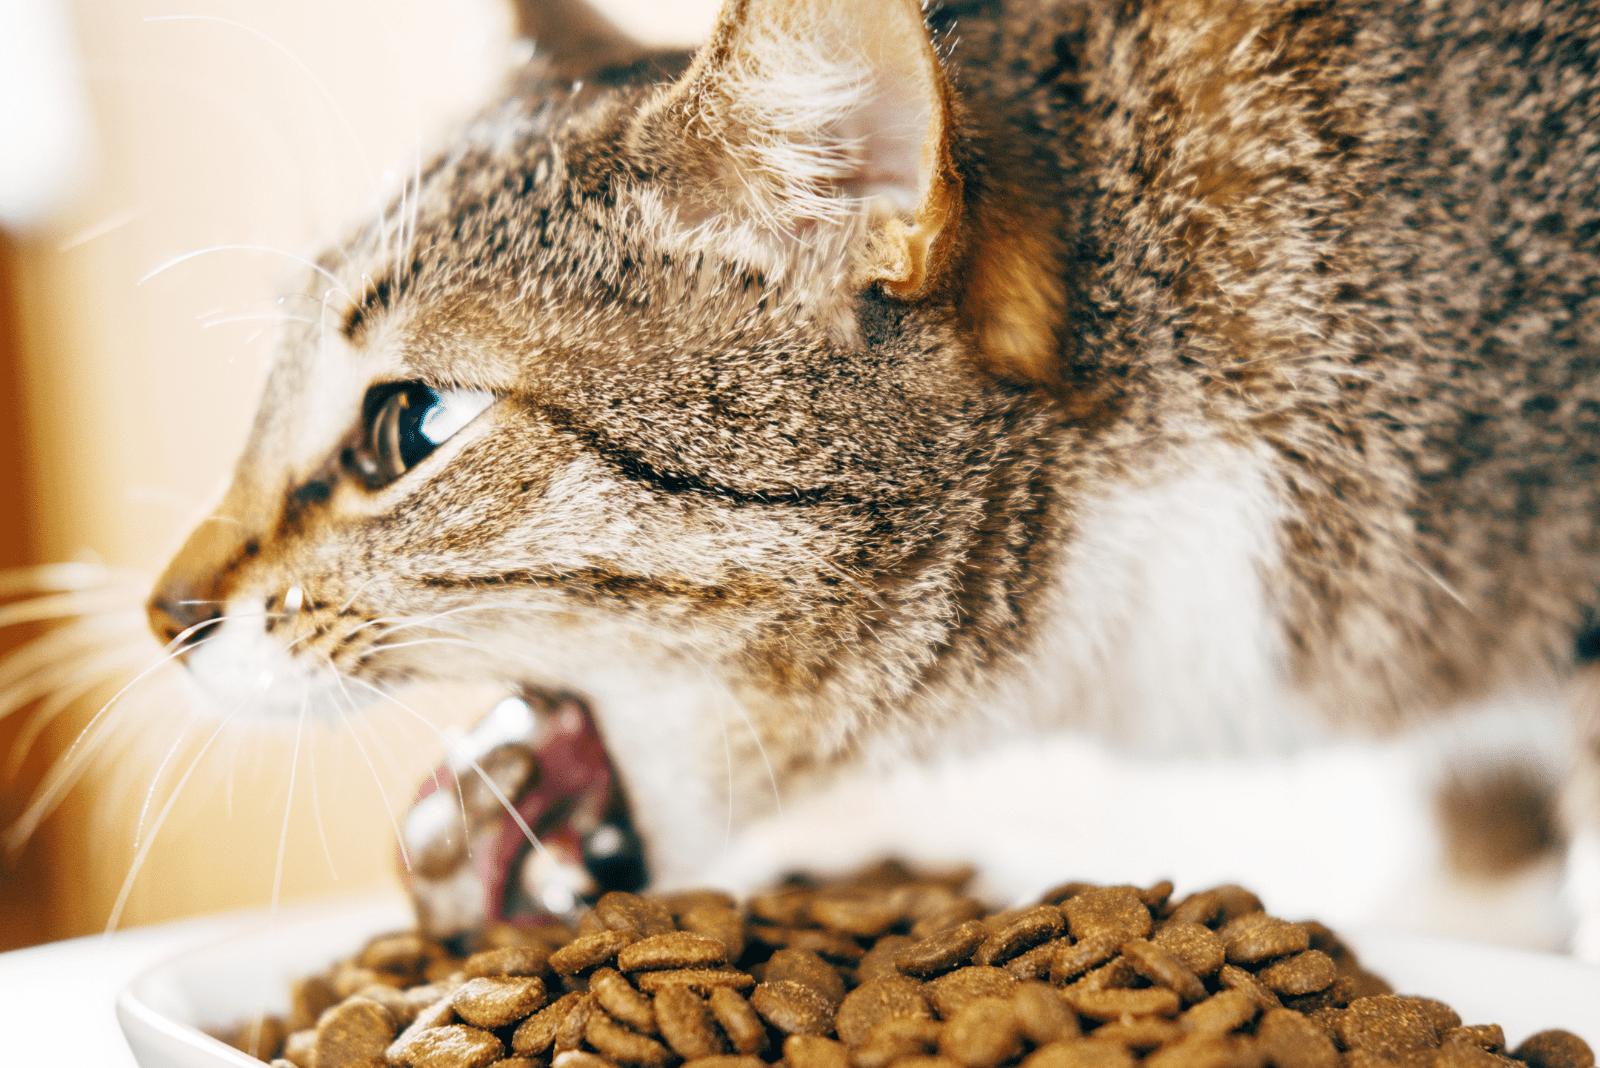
x,y
163,1011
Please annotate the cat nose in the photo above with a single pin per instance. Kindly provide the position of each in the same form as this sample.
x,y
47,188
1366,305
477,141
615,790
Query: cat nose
x,y
192,591
178,622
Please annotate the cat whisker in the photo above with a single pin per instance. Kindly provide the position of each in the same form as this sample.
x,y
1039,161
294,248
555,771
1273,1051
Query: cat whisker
x,y
451,746
59,699
72,762
155,780
257,318
236,247
666,638
316,810
338,677
161,819
359,591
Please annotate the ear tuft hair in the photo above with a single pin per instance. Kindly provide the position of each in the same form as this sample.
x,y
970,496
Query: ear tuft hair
x,y
827,115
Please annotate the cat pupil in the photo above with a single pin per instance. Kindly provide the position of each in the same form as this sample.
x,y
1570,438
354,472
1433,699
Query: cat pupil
x,y
410,421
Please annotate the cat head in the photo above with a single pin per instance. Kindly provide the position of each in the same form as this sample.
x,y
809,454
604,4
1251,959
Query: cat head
x,y
661,371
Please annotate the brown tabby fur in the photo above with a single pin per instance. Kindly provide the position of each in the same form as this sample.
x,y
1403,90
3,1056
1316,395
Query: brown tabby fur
x,y
835,462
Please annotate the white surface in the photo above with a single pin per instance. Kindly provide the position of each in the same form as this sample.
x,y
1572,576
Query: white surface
x,y
70,988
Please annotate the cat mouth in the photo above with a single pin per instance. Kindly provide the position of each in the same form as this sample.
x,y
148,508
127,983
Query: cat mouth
x,y
525,822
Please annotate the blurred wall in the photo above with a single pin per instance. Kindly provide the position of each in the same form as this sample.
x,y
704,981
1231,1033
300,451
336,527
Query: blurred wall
x,y
135,358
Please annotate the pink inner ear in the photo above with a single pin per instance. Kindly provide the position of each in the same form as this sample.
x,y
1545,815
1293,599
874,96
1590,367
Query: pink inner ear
x,y
886,138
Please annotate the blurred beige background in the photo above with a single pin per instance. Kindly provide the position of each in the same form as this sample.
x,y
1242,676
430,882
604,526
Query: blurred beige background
x,y
213,123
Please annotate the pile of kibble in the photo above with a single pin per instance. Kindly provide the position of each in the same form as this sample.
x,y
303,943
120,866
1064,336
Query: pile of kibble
x,y
885,968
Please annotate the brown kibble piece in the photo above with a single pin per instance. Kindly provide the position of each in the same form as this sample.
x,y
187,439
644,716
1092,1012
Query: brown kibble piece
x,y
574,1024
495,1001
1163,969
1114,913
1198,947
953,913
893,1040
719,922
814,1051
349,978
1111,1004
537,1033
1073,1054
686,1022
1140,1032
733,1060
620,1044
702,979
1235,901
1043,1015
943,951
1304,973
1233,978
679,949
1257,937
300,1047
881,961
831,945
1156,896
1290,1040
806,968
1074,960
793,1008
401,953
1203,1051
1488,1037
621,1000
950,993
1387,1026
352,1032
436,1015
1115,974
308,1000
1036,962
1555,1049
679,902
983,1034
1336,995
587,951
877,1000
392,998
508,960
577,1058
785,908
1227,1010
643,916
1458,1051
1021,933
452,1046
741,1022
859,917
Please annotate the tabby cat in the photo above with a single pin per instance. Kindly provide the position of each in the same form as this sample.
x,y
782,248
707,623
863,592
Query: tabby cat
x,y
878,382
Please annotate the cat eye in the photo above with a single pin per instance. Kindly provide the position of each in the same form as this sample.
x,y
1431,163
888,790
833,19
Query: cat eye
x,y
403,422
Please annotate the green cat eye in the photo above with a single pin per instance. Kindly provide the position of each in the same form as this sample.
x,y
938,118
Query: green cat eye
x,y
405,421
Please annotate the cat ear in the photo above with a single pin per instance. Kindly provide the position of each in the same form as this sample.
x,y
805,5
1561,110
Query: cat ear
x,y
824,112
573,37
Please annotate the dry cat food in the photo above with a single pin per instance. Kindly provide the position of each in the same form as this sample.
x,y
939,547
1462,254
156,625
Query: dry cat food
x,y
885,968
